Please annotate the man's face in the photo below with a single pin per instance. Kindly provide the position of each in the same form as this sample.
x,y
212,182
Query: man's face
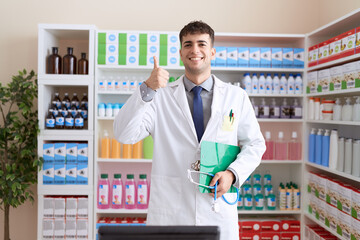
x,y
196,53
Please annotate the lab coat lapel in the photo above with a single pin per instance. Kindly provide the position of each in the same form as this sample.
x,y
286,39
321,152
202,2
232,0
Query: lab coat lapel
x,y
180,97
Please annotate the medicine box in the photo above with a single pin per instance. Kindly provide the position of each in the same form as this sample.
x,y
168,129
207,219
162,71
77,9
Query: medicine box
x,y
59,229
288,57
250,236
132,38
299,57
220,57
112,60
71,208
243,57
132,59
82,174
323,55
59,211
313,55
335,48
71,153
49,207
347,43
70,229
112,50
336,78
82,207
48,228
173,39
350,75
111,38
71,172
48,153
324,80
82,228
232,57
48,173
270,226
153,38
60,153
174,60
276,57
59,174
357,40
269,235
254,57
82,155
265,57
312,82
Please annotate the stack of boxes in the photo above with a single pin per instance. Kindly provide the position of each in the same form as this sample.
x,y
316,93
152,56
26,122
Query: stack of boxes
x,y
65,163
313,232
65,218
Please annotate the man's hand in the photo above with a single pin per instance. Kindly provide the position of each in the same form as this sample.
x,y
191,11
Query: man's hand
x,y
159,77
225,180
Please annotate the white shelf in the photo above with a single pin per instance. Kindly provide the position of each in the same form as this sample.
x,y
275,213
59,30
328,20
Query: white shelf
x,y
105,118
337,92
351,123
65,189
65,79
267,212
121,211
68,134
280,120
324,226
116,92
123,160
335,62
338,173
274,95
281,161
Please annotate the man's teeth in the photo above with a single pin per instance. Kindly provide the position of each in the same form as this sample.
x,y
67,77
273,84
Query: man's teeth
x,y
196,59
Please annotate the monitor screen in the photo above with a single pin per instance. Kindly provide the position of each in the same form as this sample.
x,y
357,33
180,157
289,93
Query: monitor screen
x,y
159,232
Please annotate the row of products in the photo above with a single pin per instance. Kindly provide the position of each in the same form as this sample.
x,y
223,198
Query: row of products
x,y
66,113
315,231
336,78
333,110
282,149
275,110
326,148
259,57
109,109
54,65
293,84
141,149
61,153
129,195
119,221
65,217
60,174
343,45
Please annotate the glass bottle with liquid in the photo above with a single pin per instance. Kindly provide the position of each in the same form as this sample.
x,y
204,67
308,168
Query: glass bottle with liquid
x,y
66,101
84,100
69,121
142,192
103,193
75,100
83,65
294,147
59,121
69,62
84,112
79,120
281,148
56,100
53,62
50,120
130,192
269,153
105,145
117,200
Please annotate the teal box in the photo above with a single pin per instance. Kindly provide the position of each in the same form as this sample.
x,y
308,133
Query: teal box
x,y
265,57
71,153
243,57
71,173
82,156
232,57
276,58
220,57
60,153
82,174
59,174
48,173
48,153
254,57
299,57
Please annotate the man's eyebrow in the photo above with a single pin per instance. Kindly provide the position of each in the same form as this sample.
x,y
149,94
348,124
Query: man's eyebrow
x,y
199,41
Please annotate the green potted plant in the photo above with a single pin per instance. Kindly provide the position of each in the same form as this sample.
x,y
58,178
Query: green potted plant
x,y
18,143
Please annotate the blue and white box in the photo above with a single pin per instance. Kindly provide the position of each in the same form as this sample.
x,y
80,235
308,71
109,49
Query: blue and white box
x,y
254,57
82,174
48,173
299,57
220,57
153,38
48,152
112,50
276,58
132,38
112,60
265,57
243,57
60,153
173,39
71,152
59,174
288,57
232,57
71,173
112,38
82,156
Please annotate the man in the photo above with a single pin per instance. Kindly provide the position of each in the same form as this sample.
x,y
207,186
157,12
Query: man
x,y
179,116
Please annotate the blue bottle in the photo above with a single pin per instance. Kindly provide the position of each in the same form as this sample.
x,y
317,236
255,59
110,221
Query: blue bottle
x,y
325,148
312,145
318,146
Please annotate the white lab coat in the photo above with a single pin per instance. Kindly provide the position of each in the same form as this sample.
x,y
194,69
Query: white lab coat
x,y
173,199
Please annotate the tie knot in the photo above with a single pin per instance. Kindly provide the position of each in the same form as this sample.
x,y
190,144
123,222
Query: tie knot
x,y
197,90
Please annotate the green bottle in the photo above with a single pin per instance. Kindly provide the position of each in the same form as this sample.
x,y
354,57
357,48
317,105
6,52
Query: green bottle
x,y
148,146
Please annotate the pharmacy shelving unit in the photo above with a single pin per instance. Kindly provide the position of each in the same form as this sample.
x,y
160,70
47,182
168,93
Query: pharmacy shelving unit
x,y
82,39
281,170
346,129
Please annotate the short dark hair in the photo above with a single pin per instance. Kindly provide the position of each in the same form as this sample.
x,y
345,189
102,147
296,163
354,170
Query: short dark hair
x,y
197,27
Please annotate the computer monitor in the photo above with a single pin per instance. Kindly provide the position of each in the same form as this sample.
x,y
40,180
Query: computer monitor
x,y
159,232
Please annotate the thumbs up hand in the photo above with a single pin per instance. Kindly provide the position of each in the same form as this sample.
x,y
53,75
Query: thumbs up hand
x,y
158,78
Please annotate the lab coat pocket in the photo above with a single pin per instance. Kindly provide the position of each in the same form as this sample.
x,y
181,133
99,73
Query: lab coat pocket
x,y
226,132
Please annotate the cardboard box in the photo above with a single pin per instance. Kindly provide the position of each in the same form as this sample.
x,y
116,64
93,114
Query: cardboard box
x,y
48,174
70,175
232,57
82,174
355,203
82,207
71,208
48,207
220,57
321,186
132,59
332,194
111,60
60,153
48,229
254,57
71,153
290,225
70,229
82,228
350,74
344,224
173,39
331,219
249,236
270,226
153,38
265,57
250,226
347,43
311,82
357,79
308,230
59,210
313,55
357,40
112,49
111,38
299,57
355,229
336,78
270,235
59,174
344,200
243,57
132,38
323,53
290,236
335,48
82,156
276,57
48,153
288,57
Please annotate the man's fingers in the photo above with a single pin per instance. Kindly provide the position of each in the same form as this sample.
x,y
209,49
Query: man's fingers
x,y
156,63
214,179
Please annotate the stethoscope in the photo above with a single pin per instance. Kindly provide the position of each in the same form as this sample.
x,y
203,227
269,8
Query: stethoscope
x,y
215,206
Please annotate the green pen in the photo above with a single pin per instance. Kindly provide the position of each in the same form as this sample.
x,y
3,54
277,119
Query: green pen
x,y
230,115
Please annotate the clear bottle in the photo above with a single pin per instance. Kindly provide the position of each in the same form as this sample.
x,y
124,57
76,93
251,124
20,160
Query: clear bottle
x,y
291,84
296,110
125,83
269,153
325,148
83,65
247,83
312,140
84,101
298,84
79,120
318,146
281,148
333,151
110,84
103,194
274,109
130,192
276,84
356,158
53,62
283,84
263,109
142,192
337,109
311,109
356,110
256,107
341,154
50,120
284,109
348,156
69,65
268,84
66,101
254,84
105,145
294,147
75,100
262,84
346,112
102,84
117,198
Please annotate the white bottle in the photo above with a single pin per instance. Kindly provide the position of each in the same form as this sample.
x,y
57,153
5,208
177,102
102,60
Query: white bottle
x,y
333,151
263,109
274,110
356,110
254,84
110,84
311,109
283,84
268,84
291,84
276,84
125,84
346,112
256,108
348,156
118,84
298,84
317,109
247,83
341,154
102,84
356,158
337,110
297,110
262,83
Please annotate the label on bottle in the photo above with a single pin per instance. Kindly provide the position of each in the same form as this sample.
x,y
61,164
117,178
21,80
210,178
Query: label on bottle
x,y
259,202
59,121
130,195
84,114
240,202
271,202
64,113
117,195
55,112
67,104
298,112
248,201
103,194
79,122
142,194
50,123
69,122
76,103
84,103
